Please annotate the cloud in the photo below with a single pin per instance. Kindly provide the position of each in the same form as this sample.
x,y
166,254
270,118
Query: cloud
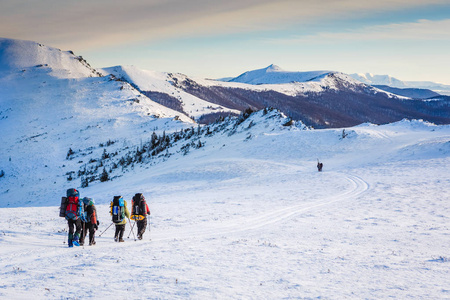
x,y
100,23
423,30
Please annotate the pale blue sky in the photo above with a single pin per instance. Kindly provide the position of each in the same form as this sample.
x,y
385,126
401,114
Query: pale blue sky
x,y
406,39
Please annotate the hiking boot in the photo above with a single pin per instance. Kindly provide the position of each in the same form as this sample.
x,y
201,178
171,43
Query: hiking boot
x,y
121,241
75,240
116,239
139,236
92,244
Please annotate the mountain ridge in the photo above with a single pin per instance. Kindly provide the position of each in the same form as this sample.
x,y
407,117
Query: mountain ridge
x,y
273,74
21,55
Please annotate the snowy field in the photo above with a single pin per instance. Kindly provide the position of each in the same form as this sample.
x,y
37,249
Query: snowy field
x,y
255,220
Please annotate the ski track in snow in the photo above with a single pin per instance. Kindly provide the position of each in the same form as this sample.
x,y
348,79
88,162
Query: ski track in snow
x,y
265,219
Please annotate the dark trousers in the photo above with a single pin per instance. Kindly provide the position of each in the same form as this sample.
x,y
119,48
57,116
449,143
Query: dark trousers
x,y
74,226
141,225
88,227
120,229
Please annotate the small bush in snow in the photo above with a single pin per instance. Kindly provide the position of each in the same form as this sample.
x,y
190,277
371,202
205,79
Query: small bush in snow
x,y
69,153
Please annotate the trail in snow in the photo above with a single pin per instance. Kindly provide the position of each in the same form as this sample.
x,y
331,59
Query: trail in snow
x,y
359,186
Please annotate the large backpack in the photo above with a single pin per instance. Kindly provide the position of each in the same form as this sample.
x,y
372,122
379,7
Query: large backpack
x,y
90,211
139,210
73,204
63,207
118,209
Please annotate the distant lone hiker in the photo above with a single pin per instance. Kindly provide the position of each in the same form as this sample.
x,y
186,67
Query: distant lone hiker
x,y
319,166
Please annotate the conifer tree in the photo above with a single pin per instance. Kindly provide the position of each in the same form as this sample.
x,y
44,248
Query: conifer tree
x,y
104,177
84,182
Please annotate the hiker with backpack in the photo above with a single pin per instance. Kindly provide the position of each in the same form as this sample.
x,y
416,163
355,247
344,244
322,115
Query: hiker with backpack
x,y
72,209
319,166
139,213
90,222
119,213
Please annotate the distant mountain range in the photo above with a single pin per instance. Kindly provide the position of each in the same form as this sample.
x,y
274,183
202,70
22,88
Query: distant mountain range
x,y
386,80
318,98
408,92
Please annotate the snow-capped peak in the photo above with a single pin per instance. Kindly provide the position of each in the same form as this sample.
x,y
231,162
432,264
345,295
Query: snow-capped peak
x,y
273,74
273,68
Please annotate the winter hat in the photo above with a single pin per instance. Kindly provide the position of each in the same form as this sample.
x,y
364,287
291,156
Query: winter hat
x,y
88,201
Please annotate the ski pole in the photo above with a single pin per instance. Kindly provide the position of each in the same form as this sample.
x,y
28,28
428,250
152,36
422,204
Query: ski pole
x,y
132,228
65,237
84,232
150,227
105,230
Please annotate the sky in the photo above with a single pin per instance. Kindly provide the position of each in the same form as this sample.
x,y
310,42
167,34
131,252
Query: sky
x,y
407,39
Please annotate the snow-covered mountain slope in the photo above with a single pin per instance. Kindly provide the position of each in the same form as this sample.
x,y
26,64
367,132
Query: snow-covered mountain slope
x,y
332,99
159,86
22,55
49,108
388,80
371,79
273,74
247,215
324,81
287,82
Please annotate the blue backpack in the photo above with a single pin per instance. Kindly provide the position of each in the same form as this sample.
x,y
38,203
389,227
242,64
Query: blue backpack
x,y
118,209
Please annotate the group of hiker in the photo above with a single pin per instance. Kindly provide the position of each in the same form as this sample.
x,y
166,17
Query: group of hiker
x,y
81,216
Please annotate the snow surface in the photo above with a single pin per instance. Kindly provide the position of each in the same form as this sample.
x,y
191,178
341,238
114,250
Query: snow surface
x,y
248,216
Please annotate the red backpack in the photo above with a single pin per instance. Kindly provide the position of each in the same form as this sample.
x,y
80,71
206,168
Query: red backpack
x,y
73,204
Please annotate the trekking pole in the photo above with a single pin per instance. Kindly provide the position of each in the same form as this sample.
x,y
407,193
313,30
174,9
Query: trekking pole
x,y
150,228
65,238
132,228
105,230
84,232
